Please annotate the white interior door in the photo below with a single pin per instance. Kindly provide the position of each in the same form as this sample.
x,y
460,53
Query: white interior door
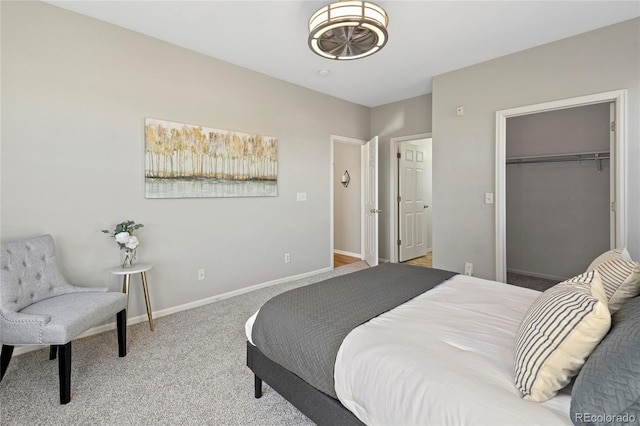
x,y
412,203
370,195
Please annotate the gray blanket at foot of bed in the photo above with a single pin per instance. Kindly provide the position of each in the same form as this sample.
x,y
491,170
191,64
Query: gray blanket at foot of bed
x,y
302,329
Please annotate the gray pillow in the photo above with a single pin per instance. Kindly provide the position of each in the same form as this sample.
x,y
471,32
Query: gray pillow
x,y
607,390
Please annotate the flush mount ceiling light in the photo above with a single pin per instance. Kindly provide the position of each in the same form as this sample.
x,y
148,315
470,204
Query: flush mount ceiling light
x,y
348,30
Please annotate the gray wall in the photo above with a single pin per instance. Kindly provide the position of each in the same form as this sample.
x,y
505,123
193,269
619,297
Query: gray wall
x,y
557,213
404,118
464,147
75,92
347,201
565,131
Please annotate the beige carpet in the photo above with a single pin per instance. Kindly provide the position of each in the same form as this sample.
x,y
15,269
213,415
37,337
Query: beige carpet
x,y
190,371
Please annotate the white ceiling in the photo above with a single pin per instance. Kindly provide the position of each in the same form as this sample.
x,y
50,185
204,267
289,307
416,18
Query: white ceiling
x,y
426,38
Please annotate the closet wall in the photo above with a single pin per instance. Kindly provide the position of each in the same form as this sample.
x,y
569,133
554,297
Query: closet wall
x,y
557,212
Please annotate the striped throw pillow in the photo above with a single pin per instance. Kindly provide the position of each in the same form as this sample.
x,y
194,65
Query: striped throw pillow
x,y
620,276
557,334
612,254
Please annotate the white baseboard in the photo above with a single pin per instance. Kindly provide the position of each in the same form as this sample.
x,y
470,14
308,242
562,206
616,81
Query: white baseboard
x,y
22,349
537,274
348,253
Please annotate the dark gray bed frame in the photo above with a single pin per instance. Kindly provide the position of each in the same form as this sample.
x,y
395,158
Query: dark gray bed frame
x,y
318,406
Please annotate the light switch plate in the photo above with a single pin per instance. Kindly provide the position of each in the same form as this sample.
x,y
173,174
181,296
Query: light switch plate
x,y
488,198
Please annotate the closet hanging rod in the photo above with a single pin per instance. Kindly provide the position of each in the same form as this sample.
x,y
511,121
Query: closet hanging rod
x,y
603,155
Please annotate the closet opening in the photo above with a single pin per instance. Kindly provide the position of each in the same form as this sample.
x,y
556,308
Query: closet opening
x,y
558,193
546,151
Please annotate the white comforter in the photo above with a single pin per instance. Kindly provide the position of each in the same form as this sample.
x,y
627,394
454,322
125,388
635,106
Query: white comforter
x,y
443,358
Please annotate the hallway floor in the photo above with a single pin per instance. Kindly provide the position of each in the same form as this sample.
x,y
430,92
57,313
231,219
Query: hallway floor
x,y
426,261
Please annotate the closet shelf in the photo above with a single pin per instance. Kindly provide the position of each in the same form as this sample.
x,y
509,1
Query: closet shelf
x,y
583,156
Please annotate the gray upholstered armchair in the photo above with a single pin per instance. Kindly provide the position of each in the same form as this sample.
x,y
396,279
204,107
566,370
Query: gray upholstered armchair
x,y
39,307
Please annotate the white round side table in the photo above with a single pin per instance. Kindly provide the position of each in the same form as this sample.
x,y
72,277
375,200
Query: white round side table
x,y
140,268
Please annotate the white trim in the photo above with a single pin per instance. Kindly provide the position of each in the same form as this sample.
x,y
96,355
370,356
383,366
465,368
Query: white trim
x,y
363,219
348,253
332,167
393,189
345,139
21,349
620,99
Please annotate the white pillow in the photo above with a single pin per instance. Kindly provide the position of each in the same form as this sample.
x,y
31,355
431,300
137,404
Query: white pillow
x,y
558,332
620,276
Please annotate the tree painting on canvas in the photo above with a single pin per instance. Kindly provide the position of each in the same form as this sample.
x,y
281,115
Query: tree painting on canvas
x,y
189,161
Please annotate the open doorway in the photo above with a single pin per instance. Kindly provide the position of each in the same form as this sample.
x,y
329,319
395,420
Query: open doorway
x,y
354,201
411,183
347,195
617,148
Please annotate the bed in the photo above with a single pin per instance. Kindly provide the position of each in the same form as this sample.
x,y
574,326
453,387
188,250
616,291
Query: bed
x,y
442,356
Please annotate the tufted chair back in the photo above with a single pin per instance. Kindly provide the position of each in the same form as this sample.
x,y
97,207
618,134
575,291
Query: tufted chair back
x,y
29,273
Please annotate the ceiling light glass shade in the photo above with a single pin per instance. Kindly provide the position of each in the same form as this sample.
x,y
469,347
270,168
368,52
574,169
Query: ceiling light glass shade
x,y
348,30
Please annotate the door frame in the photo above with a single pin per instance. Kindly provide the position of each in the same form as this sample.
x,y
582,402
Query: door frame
x,y
619,98
344,139
394,143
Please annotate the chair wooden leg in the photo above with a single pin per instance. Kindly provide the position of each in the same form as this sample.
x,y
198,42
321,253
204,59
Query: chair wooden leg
x,y
5,358
121,320
64,371
53,351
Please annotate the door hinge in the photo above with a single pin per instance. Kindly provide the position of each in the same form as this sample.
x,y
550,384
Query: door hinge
x,y
399,242
399,198
613,206
398,155
613,126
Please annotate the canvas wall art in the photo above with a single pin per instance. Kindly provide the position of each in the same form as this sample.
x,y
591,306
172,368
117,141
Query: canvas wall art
x,y
190,161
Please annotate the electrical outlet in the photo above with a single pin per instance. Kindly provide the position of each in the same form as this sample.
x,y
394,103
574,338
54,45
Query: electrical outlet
x,y
468,268
200,274
287,258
